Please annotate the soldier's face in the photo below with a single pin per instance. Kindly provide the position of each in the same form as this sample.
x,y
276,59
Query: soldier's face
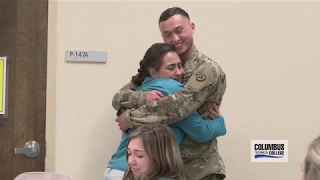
x,y
138,159
171,67
178,30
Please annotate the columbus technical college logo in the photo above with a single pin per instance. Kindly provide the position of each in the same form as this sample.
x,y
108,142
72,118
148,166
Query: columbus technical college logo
x,y
269,150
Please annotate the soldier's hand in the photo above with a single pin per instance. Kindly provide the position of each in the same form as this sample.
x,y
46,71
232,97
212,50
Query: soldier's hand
x,y
121,122
153,96
215,112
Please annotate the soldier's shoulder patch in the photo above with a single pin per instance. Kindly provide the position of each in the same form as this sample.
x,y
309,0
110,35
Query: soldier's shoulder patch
x,y
201,77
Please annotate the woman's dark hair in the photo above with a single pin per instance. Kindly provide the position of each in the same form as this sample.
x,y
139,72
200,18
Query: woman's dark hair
x,y
152,59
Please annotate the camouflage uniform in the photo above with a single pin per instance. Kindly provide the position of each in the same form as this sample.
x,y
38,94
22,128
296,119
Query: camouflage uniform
x,y
205,83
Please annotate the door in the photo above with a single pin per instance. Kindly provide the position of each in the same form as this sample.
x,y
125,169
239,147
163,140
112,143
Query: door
x,y
23,39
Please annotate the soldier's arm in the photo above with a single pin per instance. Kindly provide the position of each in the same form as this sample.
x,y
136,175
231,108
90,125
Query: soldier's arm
x,y
128,97
179,105
203,131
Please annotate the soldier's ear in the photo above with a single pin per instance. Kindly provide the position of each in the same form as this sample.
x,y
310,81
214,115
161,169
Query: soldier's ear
x,y
193,28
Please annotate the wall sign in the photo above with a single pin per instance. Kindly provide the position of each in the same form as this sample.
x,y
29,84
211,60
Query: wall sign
x,y
3,84
86,56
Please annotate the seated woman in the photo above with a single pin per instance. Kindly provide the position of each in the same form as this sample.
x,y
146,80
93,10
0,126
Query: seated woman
x,y
161,69
311,165
153,154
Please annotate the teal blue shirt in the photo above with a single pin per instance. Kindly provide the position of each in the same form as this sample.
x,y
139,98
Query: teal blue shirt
x,y
193,126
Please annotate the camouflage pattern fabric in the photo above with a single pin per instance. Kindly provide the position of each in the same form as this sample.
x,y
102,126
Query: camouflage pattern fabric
x,y
128,97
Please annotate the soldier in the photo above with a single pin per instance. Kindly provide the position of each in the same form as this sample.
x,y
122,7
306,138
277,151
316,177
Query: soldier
x,y
205,84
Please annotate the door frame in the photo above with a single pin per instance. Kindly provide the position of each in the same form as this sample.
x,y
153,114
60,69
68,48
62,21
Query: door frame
x,y
51,86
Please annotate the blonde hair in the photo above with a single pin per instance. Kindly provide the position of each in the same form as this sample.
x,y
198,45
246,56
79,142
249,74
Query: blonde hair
x,y
161,147
312,161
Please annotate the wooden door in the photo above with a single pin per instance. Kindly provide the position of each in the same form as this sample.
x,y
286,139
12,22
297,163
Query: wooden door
x,y
23,39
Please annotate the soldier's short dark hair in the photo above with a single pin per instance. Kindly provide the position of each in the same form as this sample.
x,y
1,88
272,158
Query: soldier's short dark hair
x,y
168,13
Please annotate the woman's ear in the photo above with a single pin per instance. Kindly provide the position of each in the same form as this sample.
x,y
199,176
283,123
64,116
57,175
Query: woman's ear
x,y
152,72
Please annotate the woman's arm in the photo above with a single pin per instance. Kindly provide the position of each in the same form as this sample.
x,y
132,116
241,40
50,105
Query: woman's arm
x,y
201,130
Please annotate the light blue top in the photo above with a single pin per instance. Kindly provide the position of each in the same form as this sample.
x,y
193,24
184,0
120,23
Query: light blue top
x,y
193,126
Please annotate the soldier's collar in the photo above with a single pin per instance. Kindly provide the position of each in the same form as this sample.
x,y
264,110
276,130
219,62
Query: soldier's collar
x,y
194,55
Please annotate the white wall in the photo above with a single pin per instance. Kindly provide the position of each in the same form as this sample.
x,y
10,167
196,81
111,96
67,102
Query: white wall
x,y
269,50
